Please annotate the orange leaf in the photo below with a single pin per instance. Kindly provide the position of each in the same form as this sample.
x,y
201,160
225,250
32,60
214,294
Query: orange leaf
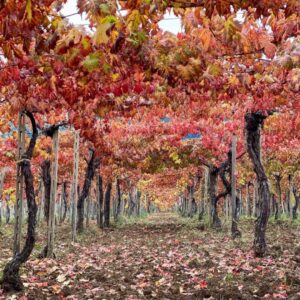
x,y
270,49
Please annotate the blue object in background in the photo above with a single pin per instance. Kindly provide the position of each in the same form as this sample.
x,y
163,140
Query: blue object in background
x,y
165,120
191,136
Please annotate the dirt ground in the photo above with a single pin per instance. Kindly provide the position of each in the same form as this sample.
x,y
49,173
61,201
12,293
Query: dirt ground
x,y
161,257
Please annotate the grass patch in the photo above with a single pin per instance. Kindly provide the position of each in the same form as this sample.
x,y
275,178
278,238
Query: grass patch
x,y
125,220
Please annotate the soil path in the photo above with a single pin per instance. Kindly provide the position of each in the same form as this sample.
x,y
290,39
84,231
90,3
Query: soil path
x,y
164,257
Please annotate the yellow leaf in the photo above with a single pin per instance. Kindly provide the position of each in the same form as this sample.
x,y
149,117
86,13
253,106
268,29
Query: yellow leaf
x,y
56,22
134,20
214,70
230,27
115,76
100,36
29,10
233,80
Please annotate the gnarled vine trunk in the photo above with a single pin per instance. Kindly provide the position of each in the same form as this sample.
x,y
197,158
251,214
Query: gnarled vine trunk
x,y
295,207
46,177
107,205
92,165
64,201
213,174
275,207
11,280
278,178
254,121
235,232
99,186
119,199
131,204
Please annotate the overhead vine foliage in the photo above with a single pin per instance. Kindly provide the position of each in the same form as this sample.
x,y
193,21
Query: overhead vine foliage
x,y
156,105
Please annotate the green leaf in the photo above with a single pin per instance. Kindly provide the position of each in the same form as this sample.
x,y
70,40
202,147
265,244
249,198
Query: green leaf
x,y
91,62
85,43
106,68
109,19
104,8
56,22
134,19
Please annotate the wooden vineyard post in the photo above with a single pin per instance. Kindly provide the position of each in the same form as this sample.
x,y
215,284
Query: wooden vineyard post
x,y
2,177
254,199
88,208
107,201
42,202
290,195
19,186
201,200
74,193
54,169
206,198
247,208
61,209
97,201
241,209
227,200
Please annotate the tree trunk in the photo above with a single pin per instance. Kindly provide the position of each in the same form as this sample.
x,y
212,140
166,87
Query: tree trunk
x,y
234,198
254,121
107,205
88,208
215,220
119,198
278,178
64,201
42,201
148,204
54,170
206,194
248,208
46,177
205,198
99,186
7,214
297,200
11,280
19,186
74,189
201,202
240,204
191,201
291,193
49,177
228,206
2,176
138,203
92,165
131,204
275,205
254,199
